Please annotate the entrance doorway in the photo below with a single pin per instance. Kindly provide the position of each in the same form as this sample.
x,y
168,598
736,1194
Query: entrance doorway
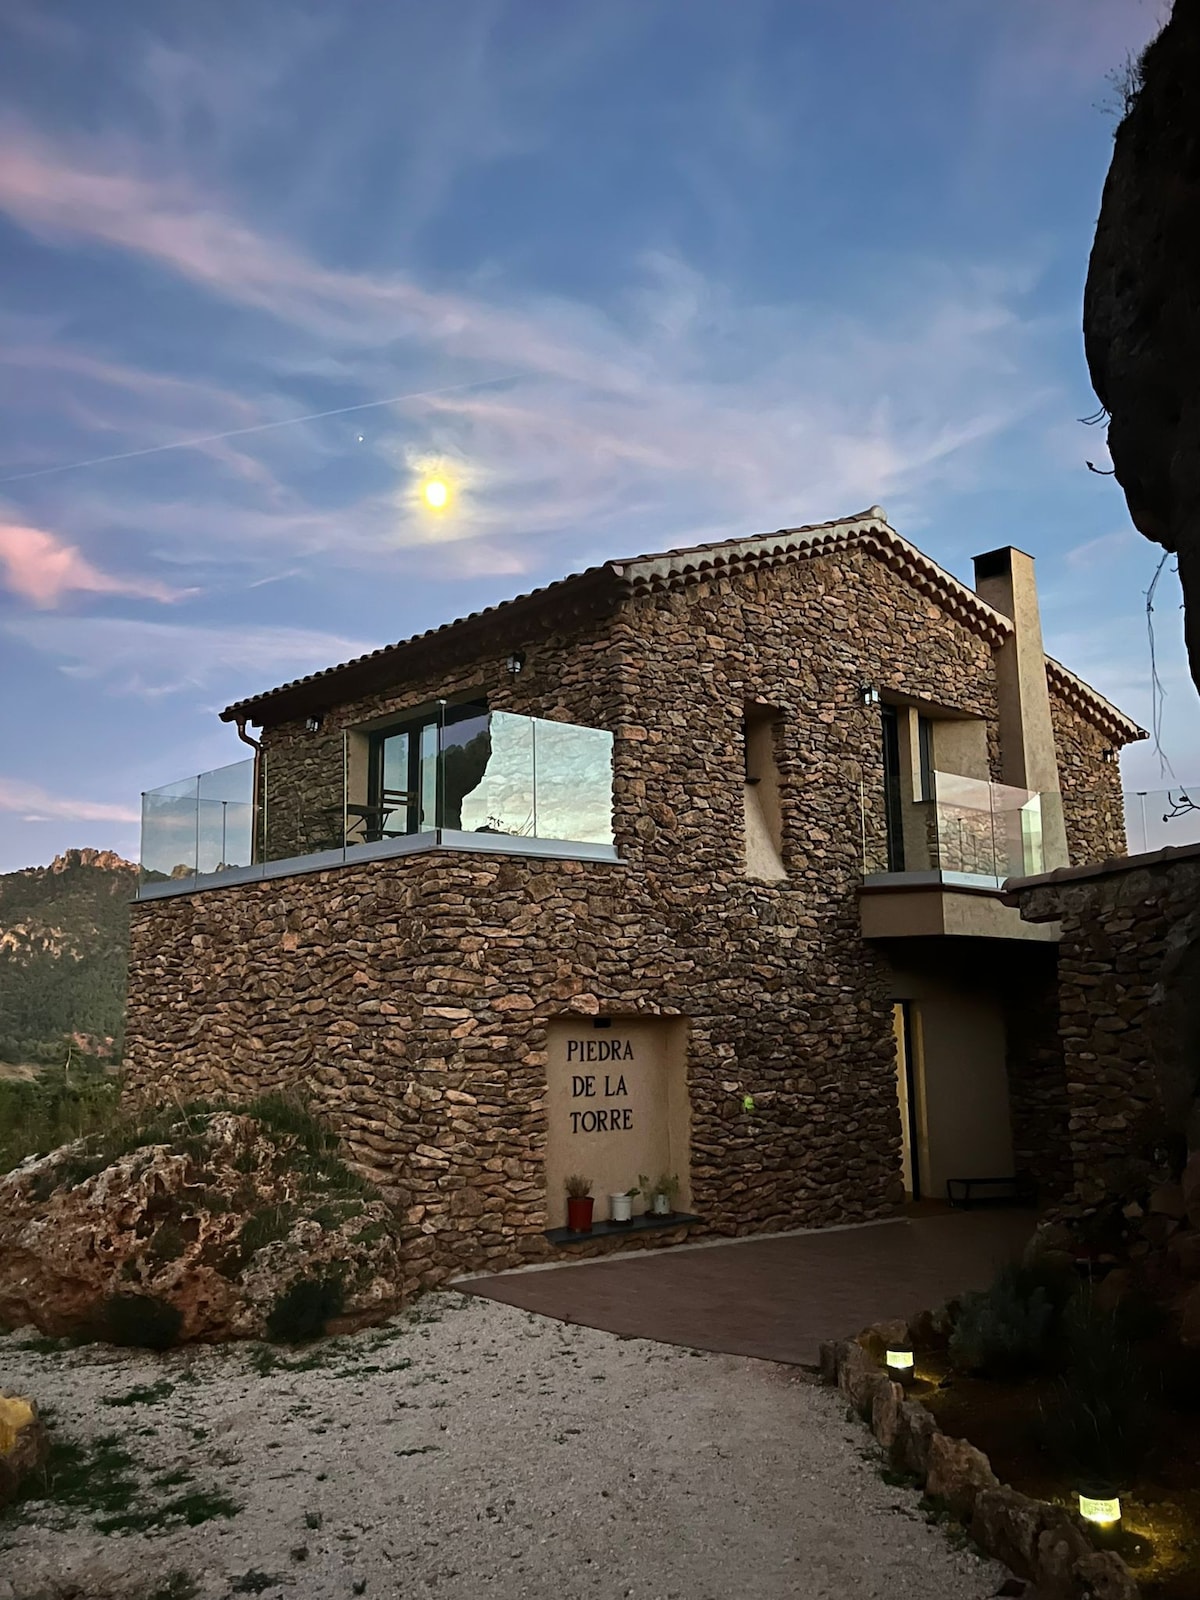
x,y
909,1091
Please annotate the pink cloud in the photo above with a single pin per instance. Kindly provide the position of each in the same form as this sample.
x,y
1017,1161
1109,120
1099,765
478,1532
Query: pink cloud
x,y
33,804
43,569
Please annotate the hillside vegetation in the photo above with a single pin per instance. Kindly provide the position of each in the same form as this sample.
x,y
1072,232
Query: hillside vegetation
x,y
64,941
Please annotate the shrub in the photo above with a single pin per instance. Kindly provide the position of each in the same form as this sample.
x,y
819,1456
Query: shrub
x,y
38,1115
1098,1424
305,1309
140,1320
1012,1328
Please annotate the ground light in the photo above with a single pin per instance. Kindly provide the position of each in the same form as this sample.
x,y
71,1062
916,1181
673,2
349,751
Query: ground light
x,y
900,1364
1104,1512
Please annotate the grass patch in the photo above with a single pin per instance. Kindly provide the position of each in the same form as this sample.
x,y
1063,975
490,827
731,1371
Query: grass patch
x,y
146,1394
254,1582
94,1478
97,1479
265,1227
309,1148
190,1509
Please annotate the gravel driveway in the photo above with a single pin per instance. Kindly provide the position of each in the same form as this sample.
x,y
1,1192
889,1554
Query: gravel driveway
x,y
466,1449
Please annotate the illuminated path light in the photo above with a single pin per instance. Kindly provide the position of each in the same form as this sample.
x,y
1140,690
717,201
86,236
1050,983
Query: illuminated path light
x,y
1103,1510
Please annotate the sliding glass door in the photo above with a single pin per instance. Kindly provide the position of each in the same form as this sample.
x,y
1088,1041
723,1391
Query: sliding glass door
x,y
422,769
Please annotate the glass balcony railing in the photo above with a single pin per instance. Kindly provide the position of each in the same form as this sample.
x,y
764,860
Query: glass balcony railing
x,y
354,795
204,824
971,828
992,832
1156,818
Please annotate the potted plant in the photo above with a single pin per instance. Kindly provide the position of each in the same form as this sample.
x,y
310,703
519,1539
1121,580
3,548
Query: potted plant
x,y
620,1206
666,1187
579,1204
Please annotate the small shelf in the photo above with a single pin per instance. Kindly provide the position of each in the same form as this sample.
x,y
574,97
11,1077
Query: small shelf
x,y
606,1230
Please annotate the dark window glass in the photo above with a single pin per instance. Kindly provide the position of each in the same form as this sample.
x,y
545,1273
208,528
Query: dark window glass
x,y
422,769
925,741
892,798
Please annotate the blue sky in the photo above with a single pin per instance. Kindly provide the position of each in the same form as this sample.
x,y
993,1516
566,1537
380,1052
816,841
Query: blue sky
x,y
630,274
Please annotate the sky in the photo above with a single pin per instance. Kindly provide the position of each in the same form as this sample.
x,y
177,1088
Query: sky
x,y
626,275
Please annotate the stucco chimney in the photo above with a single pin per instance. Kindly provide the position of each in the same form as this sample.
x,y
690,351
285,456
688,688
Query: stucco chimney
x,y
1004,578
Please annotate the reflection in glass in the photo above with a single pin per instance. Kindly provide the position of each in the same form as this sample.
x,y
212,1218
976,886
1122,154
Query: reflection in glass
x,y
501,799
573,782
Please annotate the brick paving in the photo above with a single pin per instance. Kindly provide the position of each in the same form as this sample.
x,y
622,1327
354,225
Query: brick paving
x,y
776,1297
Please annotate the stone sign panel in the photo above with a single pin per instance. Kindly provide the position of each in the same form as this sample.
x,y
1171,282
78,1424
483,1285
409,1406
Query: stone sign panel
x,y
616,1106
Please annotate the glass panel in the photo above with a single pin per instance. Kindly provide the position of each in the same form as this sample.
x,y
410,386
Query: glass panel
x,y
169,831
202,824
501,800
1156,818
964,825
225,829
466,754
573,790
1014,827
386,815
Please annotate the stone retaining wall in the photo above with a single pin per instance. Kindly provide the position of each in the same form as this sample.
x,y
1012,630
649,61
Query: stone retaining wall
x,y
1044,1543
1128,1015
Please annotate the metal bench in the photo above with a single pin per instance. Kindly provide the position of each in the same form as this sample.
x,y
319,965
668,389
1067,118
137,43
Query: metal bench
x,y
1019,1190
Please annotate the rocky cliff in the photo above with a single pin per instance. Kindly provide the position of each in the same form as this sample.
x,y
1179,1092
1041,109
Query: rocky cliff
x,y
1141,315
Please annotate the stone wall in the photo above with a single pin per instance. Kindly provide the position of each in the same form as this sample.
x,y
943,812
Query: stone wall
x,y
1091,785
410,996
1126,992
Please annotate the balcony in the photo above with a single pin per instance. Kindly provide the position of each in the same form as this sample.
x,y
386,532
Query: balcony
x,y
936,866
485,782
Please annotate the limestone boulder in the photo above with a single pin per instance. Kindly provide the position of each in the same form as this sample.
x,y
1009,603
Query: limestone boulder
x,y
915,1433
1008,1525
957,1474
24,1444
194,1227
1060,1547
1102,1575
885,1414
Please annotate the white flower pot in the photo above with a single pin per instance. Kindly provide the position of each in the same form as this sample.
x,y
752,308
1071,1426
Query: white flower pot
x,y
661,1205
620,1207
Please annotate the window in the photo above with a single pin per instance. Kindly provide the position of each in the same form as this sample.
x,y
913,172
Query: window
x,y
925,756
762,809
893,798
420,771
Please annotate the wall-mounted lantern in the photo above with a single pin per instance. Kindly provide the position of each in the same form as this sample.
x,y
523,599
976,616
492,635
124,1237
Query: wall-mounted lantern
x,y
1110,757
515,663
868,694
313,723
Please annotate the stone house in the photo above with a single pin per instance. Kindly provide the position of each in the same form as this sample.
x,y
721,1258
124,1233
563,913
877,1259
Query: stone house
x,y
689,864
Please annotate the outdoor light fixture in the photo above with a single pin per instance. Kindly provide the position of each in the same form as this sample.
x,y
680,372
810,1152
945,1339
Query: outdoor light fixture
x,y
313,724
868,694
900,1364
1111,757
515,663
1104,1512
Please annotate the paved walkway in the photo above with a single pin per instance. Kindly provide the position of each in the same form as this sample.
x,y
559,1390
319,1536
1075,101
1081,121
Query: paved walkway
x,y
776,1297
